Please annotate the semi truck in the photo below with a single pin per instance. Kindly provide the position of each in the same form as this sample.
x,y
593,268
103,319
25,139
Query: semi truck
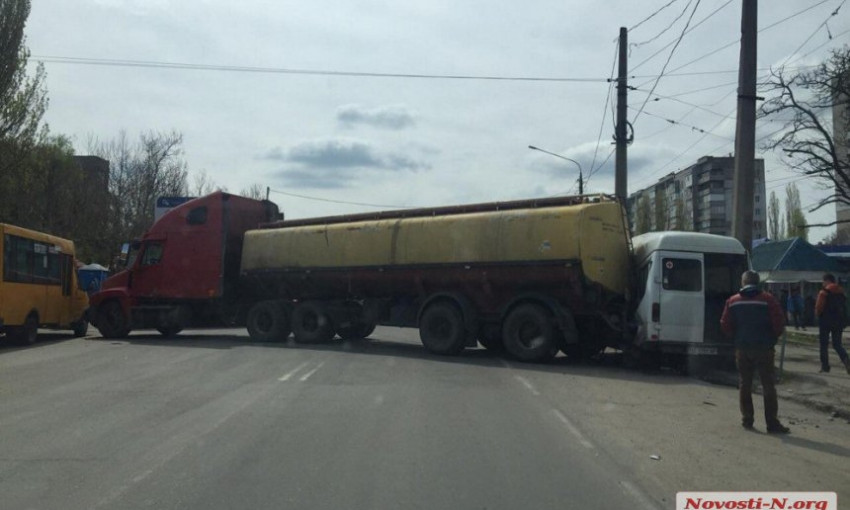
x,y
529,277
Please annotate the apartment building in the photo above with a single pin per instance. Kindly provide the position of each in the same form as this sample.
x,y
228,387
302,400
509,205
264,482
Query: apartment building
x,y
698,198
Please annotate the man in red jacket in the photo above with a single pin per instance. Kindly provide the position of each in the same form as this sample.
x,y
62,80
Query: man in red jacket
x,y
755,320
832,318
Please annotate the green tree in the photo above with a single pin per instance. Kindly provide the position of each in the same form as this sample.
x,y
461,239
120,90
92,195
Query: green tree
x,y
795,220
23,99
775,229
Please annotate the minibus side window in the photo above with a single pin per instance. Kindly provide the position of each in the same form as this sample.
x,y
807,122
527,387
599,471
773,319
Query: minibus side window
x,y
681,274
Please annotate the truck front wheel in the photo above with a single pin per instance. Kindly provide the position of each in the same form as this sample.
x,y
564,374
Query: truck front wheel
x,y
268,321
530,334
311,324
441,329
111,321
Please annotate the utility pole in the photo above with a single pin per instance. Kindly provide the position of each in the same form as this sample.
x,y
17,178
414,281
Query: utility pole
x,y
745,130
620,137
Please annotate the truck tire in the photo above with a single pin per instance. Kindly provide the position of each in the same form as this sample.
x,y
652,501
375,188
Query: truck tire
x,y
111,321
268,321
441,328
311,324
356,330
530,334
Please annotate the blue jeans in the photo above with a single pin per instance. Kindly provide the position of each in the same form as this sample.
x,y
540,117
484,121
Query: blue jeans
x,y
824,332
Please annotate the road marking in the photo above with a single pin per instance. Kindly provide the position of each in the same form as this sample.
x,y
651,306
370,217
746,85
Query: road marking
x,y
573,430
525,382
311,372
643,499
286,376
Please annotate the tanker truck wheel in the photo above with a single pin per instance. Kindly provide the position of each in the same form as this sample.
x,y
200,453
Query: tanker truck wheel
x,y
530,334
356,330
312,324
441,329
268,321
111,321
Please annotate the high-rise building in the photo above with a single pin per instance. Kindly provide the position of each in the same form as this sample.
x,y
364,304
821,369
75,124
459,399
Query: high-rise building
x,y
698,198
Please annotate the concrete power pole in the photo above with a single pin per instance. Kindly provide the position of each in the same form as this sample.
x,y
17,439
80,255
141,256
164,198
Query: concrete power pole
x,y
620,137
745,131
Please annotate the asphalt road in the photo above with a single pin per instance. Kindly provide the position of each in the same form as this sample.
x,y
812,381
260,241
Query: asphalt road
x,y
214,421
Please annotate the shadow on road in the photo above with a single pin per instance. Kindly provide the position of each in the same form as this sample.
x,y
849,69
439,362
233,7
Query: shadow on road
x,y
608,366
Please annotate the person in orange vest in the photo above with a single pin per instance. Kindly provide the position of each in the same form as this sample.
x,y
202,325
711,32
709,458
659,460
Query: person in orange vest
x,y
831,311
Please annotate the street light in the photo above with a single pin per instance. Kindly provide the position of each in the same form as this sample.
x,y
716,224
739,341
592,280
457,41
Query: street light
x,y
580,177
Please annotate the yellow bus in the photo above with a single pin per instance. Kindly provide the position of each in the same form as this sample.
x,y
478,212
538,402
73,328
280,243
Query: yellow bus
x,y
39,286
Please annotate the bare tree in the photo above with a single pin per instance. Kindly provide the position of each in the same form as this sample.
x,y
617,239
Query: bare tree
x,y
139,173
202,184
254,191
802,102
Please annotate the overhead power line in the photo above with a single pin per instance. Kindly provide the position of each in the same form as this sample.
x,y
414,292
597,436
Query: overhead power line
x,y
667,29
669,57
700,22
658,11
319,199
283,70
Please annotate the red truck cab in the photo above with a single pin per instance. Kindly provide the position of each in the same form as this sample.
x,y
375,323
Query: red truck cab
x,y
184,271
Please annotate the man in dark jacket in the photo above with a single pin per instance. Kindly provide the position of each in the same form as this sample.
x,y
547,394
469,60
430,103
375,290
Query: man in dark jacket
x,y
755,320
832,317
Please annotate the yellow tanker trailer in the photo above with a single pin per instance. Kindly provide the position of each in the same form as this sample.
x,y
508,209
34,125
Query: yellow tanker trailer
x,y
531,277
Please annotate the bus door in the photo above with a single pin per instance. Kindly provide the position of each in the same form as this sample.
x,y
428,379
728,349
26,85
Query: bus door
x,y
681,297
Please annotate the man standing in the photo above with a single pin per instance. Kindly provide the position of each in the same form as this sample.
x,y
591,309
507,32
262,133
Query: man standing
x,y
832,317
796,308
755,320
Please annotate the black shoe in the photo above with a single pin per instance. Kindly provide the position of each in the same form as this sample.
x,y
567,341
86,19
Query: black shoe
x,y
823,370
748,426
778,428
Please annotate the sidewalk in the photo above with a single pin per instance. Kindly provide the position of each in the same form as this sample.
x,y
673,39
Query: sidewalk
x,y
800,380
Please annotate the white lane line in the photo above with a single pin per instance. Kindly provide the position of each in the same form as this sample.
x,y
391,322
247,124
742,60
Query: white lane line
x,y
525,382
644,500
573,430
311,372
289,374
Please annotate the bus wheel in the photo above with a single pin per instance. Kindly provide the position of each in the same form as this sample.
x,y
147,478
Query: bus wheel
x,y
111,321
28,333
81,328
441,328
268,321
311,324
530,334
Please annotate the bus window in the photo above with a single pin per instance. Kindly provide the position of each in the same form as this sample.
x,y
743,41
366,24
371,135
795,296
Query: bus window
x,y
681,274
